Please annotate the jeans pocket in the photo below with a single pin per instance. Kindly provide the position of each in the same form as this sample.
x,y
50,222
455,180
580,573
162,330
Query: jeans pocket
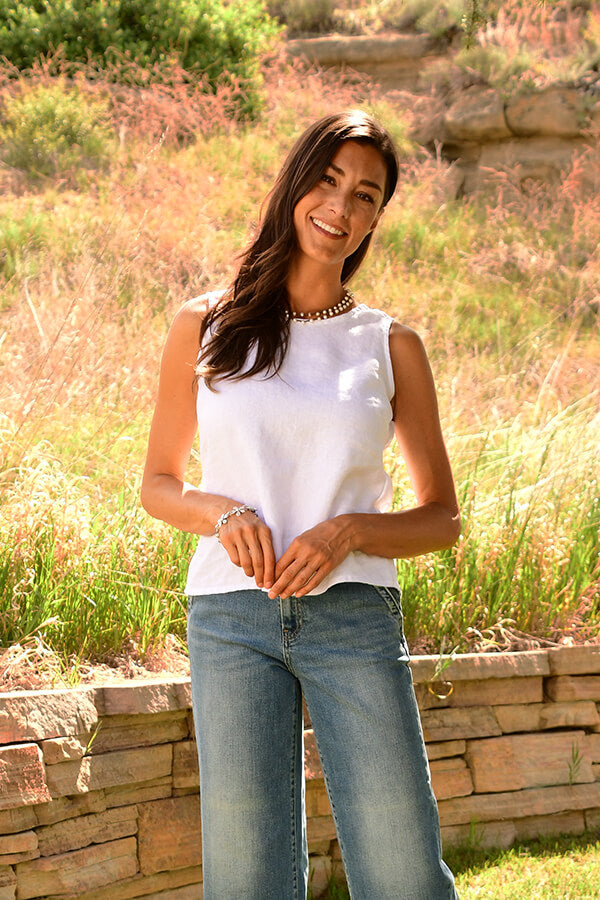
x,y
393,600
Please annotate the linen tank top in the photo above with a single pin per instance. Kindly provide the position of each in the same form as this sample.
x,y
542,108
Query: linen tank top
x,y
302,446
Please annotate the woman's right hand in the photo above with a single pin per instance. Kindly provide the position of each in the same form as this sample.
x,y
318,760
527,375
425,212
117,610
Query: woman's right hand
x,y
248,543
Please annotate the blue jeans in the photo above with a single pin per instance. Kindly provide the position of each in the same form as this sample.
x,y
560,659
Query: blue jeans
x,y
252,658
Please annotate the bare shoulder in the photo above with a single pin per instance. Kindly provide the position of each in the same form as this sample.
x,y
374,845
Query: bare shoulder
x,y
183,340
184,332
193,311
406,346
403,336
413,377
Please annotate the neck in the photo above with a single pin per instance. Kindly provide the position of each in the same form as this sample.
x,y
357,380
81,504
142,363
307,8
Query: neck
x,y
313,288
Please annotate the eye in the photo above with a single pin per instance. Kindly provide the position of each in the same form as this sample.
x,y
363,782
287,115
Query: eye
x,y
328,178
366,197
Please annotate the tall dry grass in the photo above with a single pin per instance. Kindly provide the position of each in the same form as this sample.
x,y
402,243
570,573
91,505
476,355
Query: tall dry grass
x,y
503,287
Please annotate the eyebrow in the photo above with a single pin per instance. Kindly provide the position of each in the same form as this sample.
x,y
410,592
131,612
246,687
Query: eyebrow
x,y
372,184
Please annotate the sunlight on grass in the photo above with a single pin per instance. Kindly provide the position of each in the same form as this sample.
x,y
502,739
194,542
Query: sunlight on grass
x,y
566,868
502,287
554,869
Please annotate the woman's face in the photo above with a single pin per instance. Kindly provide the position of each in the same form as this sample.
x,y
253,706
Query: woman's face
x,y
335,216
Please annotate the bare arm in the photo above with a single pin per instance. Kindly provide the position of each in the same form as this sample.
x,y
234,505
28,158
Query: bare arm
x,y
433,524
165,493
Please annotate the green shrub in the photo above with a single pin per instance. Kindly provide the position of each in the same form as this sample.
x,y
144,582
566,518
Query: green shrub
x,y
51,131
20,237
209,38
514,71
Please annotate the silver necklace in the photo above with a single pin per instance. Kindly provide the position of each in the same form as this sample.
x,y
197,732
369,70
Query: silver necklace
x,y
335,310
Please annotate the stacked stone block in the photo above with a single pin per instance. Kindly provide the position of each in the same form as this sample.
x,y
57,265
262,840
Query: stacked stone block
x,y
99,792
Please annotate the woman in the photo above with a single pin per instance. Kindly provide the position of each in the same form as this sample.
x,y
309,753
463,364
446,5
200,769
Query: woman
x,y
293,590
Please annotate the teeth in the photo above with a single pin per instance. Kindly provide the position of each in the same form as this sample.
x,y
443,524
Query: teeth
x,y
327,227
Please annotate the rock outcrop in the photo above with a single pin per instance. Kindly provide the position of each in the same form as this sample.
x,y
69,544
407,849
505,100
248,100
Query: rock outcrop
x,y
530,136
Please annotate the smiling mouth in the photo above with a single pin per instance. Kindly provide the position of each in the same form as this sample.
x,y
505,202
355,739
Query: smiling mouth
x,y
328,228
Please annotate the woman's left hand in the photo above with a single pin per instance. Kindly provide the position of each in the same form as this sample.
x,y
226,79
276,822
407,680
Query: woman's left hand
x,y
311,556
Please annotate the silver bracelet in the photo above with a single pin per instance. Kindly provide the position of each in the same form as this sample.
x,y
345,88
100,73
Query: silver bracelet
x,y
235,511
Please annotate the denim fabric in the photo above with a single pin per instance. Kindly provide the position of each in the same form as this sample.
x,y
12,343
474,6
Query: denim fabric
x,y
252,658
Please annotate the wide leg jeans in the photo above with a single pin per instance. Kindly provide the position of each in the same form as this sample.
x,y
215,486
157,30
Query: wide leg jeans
x,y
252,658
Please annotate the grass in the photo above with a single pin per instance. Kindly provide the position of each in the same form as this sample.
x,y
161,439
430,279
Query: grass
x,y
563,868
503,287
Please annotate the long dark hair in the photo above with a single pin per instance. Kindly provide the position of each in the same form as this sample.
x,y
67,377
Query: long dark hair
x,y
253,313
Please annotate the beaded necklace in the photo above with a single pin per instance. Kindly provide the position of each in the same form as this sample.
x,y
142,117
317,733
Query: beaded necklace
x,y
335,310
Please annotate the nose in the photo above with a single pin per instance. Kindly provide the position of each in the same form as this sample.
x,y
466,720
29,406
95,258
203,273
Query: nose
x,y
339,203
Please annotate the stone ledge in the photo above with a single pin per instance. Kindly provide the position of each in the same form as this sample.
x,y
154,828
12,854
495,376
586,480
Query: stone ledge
x,y
185,765
592,819
519,804
490,692
64,749
352,50
532,827
581,660
538,157
320,828
158,696
478,666
476,115
37,715
317,803
66,712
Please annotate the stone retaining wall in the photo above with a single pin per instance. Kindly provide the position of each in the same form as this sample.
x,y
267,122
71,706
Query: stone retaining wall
x,y
99,786
394,61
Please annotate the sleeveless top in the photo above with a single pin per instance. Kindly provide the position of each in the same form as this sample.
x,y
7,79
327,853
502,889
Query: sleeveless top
x,y
303,445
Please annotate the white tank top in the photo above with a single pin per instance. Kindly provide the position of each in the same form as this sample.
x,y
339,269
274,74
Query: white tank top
x,y
303,445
